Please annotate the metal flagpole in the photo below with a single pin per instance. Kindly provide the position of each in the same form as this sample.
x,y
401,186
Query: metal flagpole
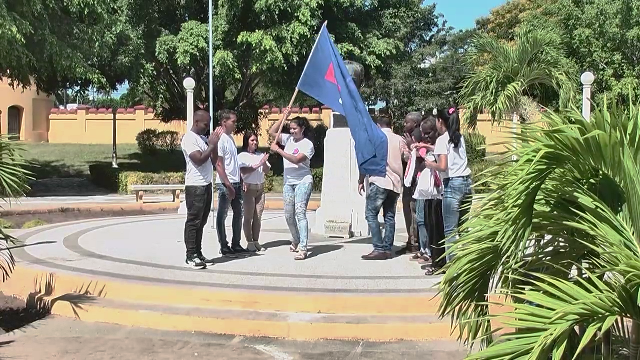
x,y
211,107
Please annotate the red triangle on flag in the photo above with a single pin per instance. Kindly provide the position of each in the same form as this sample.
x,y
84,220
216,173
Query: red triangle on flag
x,y
331,75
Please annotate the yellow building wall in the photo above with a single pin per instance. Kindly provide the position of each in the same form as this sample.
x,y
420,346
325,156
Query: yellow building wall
x,y
94,126
41,123
496,134
34,111
85,125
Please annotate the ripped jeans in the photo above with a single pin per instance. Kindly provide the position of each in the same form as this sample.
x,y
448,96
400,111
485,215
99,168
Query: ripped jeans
x,y
296,198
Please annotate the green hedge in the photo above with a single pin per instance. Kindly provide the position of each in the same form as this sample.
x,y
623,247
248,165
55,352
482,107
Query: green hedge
x,y
118,180
153,141
105,176
476,146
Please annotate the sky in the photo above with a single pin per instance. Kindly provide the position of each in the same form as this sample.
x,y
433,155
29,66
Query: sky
x,y
462,14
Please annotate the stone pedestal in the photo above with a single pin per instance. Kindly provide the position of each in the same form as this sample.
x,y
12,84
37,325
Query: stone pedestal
x,y
182,210
341,212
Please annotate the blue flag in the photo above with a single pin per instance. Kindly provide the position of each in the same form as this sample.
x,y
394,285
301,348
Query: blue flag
x,y
326,79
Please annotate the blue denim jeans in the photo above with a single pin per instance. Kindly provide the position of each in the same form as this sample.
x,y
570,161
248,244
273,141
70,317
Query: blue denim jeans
x,y
296,198
223,209
379,198
421,221
456,202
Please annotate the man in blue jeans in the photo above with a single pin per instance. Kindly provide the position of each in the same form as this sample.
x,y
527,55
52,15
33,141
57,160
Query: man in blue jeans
x,y
383,194
229,185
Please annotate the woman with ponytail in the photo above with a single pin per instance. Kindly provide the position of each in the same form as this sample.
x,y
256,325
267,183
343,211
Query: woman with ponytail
x,y
451,154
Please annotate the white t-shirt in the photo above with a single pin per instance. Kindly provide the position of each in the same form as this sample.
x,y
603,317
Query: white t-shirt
x,y
196,175
247,159
297,173
229,152
456,157
427,187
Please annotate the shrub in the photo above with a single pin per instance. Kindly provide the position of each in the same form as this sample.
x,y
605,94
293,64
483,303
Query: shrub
x,y
33,223
317,179
105,176
478,175
152,141
146,141
168,140
4,224
476,146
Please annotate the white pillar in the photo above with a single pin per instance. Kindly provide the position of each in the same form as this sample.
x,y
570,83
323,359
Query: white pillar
x,y
189,84
586,79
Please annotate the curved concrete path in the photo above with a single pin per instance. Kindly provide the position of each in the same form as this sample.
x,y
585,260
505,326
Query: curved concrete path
x,y
134,266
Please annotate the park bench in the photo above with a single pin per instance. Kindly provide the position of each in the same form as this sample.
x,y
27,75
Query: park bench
x,y
140,189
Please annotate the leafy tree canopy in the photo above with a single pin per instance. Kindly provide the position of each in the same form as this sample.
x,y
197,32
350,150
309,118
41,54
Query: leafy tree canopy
x,y
601,36
261,47
62,44
429,76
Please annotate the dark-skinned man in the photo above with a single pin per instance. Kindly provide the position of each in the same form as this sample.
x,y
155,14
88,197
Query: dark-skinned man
x,y
200,155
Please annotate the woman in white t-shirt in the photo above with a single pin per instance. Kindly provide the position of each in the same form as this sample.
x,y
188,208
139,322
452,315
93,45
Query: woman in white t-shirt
x,y
451,153
253,167
298,181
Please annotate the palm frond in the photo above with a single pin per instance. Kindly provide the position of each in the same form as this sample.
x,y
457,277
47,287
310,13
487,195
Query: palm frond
x,y
569,201
504,72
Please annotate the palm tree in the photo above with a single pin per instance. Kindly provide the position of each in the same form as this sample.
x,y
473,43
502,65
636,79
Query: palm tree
x,y
515,78
558,238
13,184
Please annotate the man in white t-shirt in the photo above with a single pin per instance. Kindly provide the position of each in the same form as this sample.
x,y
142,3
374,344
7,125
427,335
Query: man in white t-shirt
x,y
200,154
229,185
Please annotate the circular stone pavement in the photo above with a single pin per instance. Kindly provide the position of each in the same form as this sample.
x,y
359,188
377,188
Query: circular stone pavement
x,y
151,249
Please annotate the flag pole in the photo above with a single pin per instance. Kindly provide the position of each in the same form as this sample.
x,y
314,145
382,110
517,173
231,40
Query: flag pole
x,y
295,92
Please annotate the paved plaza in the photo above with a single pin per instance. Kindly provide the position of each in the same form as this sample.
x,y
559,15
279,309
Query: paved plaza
x,y
151,249
130,271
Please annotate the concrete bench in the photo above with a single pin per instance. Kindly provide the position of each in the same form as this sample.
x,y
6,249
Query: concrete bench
x,y
140,189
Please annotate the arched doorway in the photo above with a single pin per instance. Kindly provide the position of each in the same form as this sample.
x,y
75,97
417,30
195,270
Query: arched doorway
x,y
14,120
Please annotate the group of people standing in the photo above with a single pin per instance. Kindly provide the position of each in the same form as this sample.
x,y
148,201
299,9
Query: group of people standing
x,y
427,168
240,184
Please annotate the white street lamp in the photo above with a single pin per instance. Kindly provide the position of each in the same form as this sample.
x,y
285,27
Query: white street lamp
x,y
587,79
189,84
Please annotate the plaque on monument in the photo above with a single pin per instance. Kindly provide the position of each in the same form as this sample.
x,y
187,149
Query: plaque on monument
x,y
338,121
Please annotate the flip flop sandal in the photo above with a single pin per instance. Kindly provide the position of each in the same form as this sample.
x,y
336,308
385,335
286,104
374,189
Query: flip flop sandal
x,y
293,248
431,271
301,255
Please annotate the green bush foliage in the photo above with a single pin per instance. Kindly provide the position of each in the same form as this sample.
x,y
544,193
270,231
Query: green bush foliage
x,y
152,141
33,223
105,176
476,146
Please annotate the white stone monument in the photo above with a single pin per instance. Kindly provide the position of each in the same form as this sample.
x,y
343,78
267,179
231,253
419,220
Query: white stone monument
x,y
341,212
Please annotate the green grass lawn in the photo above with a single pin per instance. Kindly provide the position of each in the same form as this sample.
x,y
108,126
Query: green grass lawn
x,y
72,160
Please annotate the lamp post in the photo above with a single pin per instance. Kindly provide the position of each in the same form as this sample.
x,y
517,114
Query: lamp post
x,y
114,153
189,84
587,79
211,64
211,109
